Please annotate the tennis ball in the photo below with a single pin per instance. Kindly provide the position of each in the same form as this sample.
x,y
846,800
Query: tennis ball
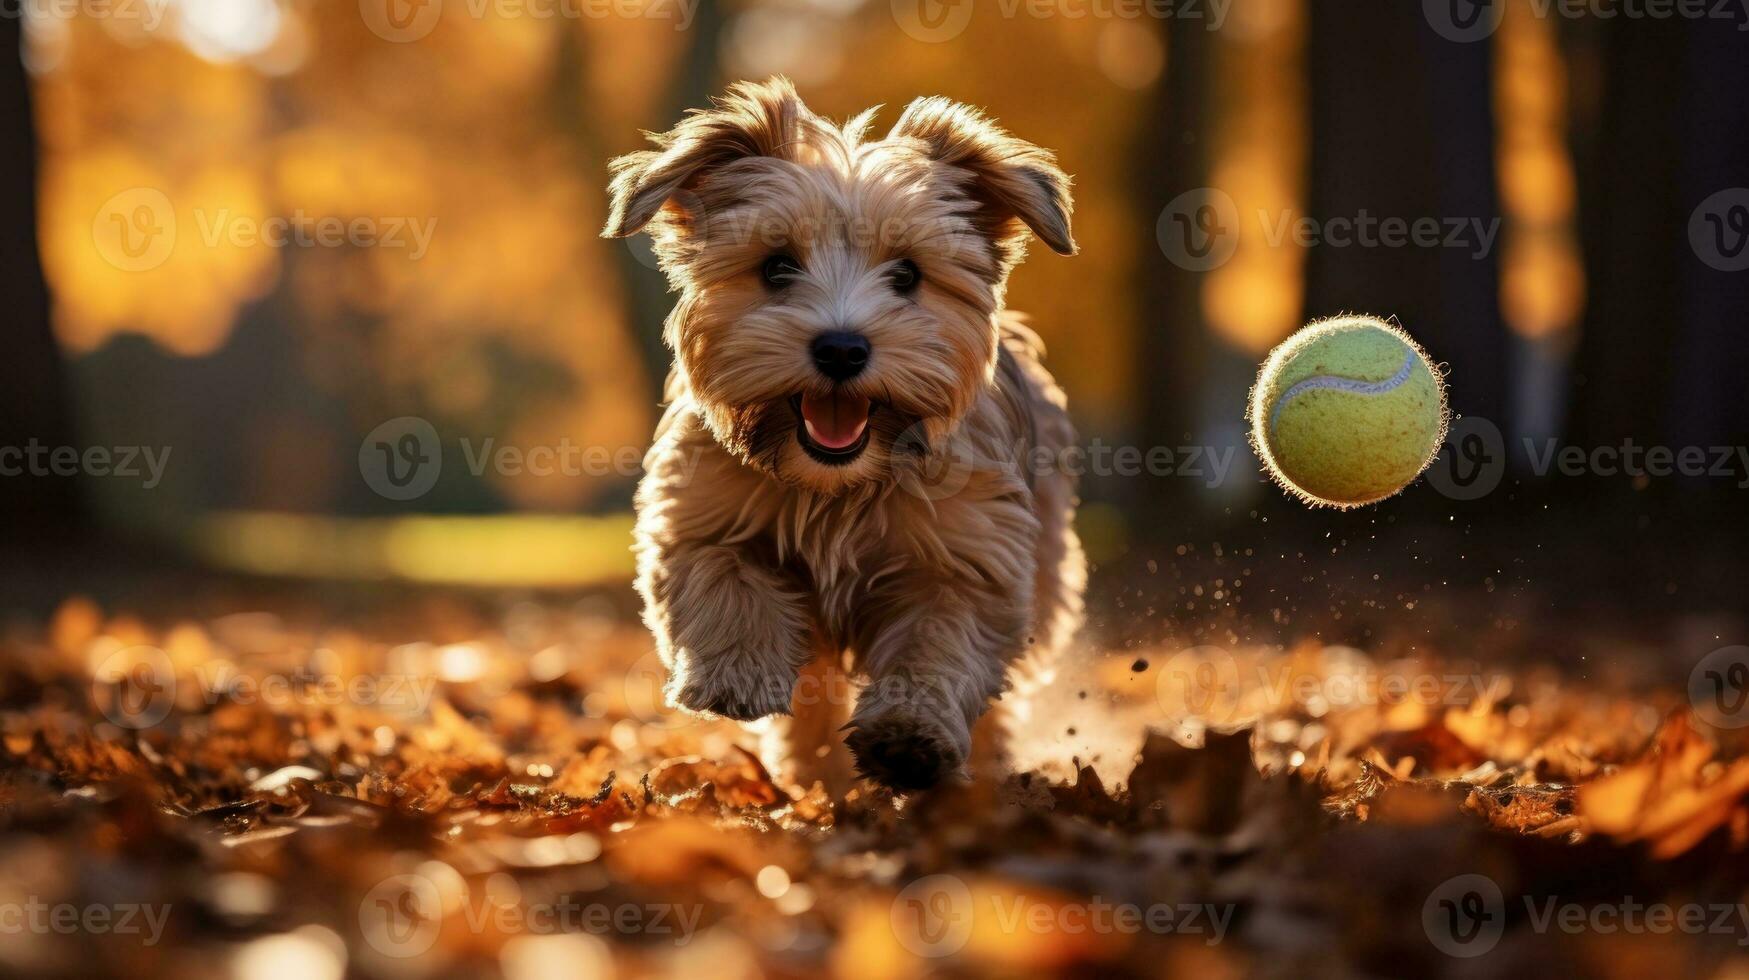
x,y
1347,412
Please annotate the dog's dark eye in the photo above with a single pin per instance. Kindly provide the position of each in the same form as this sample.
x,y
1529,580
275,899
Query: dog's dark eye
x,y
780,269
905,276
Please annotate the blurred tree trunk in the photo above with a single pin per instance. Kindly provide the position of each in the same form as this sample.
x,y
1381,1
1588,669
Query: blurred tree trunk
x,y
1633,232
1402,127
646,287
34,399
1709,404
646,290
1664,348
1175,347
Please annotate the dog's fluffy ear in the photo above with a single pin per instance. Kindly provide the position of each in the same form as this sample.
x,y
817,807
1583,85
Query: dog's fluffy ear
x,y
1013,179
754,119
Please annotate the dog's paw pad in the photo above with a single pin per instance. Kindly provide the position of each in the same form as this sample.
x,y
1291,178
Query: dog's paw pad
x,y
902,756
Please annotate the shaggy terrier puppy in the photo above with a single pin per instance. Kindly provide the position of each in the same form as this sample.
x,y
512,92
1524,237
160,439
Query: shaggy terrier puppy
x,y
855,471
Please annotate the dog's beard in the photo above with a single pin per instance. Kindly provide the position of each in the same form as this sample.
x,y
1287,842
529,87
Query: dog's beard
x,y
910,406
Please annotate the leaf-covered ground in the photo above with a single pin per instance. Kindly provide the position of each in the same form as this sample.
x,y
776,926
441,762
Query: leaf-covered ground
x,y
456,788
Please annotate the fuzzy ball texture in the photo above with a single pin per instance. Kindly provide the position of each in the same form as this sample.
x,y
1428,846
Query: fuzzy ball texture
x,y
1347,412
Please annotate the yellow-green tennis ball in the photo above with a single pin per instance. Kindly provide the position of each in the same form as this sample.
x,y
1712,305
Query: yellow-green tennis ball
x,y
1347,411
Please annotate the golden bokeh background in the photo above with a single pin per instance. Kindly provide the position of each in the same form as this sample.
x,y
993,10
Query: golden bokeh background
x,y
455,152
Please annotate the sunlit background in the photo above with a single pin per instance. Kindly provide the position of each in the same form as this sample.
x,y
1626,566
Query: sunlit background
x,y
268,242
468,140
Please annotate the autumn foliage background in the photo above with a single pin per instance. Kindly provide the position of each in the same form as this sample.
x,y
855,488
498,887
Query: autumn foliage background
x,y
1561,616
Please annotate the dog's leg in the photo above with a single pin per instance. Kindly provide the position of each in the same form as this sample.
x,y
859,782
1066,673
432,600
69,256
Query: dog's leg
x,y
933,668
803,748
733,633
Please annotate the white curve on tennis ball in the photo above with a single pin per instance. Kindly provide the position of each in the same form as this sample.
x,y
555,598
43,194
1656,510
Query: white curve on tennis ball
x,y
1350,385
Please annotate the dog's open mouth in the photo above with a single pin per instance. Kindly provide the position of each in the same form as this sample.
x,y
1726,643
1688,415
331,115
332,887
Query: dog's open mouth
x,y
833,427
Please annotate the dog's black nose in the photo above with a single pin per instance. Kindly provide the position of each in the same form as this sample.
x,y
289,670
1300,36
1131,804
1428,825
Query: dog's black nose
x,y
840,355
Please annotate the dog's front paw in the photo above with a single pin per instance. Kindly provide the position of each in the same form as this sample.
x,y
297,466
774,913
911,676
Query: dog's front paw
x,y
741,696
905,752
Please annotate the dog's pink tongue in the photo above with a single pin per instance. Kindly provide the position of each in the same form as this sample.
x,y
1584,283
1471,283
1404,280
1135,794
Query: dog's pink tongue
x,y
834,421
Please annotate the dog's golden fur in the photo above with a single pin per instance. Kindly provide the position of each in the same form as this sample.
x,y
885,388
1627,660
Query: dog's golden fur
x,y
929,563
